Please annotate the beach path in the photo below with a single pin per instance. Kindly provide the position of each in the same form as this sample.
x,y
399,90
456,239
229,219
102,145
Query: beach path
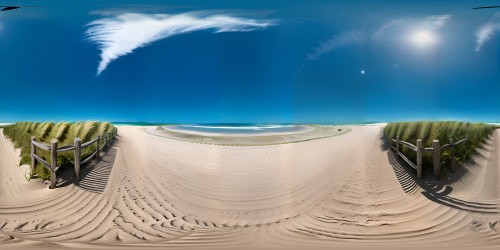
x,y
341,191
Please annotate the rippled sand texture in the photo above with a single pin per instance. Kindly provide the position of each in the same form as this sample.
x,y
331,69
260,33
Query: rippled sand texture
x,y
345,191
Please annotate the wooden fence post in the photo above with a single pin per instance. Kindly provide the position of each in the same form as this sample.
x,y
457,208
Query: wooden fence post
x,y
419,158
33,159
436,157
452,153
97,146
53,163
106,138
78,150
397,146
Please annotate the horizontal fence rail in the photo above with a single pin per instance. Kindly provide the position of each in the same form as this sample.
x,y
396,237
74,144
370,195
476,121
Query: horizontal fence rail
x,y
66,148
76,147
88,158
84,145
436,150
39,159
41,145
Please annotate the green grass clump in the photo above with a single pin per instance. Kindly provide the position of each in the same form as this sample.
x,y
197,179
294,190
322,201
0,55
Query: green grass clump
x,y
65,132
89,129
62,130
76,128
32,127
105,127
477,133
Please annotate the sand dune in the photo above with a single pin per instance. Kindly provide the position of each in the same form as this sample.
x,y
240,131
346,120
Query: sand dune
x,y
345,191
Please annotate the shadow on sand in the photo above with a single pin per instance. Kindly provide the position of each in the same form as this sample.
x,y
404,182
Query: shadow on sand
x,y
434,189
94,176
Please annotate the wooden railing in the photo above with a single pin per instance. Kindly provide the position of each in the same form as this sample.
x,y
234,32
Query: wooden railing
x,y
436,153
76,147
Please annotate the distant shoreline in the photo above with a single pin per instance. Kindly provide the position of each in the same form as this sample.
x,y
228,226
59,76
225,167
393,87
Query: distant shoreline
x,y
193,131
144,124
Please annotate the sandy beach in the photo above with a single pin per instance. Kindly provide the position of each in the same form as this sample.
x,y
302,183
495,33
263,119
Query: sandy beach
x,y
344,191
258,130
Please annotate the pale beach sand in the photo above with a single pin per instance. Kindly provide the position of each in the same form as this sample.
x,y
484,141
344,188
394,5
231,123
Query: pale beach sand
x,y
251,137
336,192
299,129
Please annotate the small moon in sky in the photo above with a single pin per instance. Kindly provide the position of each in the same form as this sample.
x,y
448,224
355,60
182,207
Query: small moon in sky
x,y
362,71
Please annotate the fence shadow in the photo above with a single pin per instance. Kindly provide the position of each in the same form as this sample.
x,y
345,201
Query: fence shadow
x,y
404,173
438,192
95,176
434,189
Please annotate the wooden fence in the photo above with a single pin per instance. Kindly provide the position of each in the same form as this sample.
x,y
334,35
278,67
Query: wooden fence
x,y
436,153
76,147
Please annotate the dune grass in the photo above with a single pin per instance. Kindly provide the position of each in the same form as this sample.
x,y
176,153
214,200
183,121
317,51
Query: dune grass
x,y
65,132
477,133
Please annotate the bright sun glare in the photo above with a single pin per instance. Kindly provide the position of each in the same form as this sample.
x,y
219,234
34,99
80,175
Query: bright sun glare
x,y
423,38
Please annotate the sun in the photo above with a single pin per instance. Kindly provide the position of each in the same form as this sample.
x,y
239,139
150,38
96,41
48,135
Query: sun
x,y
423,38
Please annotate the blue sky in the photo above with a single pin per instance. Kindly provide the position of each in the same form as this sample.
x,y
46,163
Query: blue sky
x,y
250,61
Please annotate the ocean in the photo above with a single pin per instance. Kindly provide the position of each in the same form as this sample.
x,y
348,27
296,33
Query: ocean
x,y
236,128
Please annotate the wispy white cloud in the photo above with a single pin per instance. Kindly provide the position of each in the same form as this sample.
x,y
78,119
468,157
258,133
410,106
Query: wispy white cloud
x,y
385,27
487,31
397,25
122,33
435,22
341,40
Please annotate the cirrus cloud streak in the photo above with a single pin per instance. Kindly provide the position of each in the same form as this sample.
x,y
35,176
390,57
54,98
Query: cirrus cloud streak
x,y
487,31
341,40
122,33
390,29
